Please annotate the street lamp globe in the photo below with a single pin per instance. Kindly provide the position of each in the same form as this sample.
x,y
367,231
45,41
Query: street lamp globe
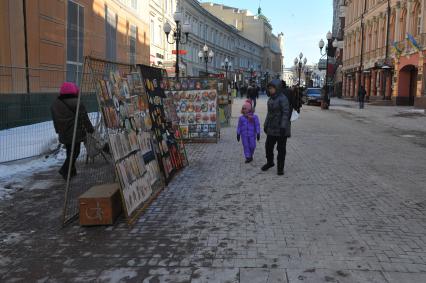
x,y
177,17
335,43
205,48
167,28
186,28
301,55
321,44
296,61
211,54
226,60
222,65
200,54
305,61
230,65
329,35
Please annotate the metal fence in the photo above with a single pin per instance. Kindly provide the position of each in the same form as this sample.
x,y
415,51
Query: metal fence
x,y
26,94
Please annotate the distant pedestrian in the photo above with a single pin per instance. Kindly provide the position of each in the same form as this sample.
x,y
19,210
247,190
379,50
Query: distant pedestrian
x,y
63,110
248,131
253,93
361,96
277,126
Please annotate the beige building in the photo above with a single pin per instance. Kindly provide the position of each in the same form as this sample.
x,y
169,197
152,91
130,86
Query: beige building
x,y
257,29
160,12
384,47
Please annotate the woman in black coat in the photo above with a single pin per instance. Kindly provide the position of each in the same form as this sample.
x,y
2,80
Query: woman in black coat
x,y
63,110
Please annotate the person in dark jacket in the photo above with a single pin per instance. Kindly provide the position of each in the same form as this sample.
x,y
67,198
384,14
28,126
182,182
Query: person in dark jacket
x,y
361,96
253,93
277,126
292,97
63,110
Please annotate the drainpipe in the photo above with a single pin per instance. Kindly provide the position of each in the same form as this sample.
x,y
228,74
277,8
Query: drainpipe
x,y
387,50
362,44
27,72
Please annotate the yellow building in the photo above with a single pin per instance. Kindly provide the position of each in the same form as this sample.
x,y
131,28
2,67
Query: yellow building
x,y
384,47
45,37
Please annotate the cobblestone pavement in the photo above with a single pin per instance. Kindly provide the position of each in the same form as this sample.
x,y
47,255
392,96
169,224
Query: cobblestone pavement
x,y
351,208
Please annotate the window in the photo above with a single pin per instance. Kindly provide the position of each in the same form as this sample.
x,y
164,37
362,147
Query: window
x,y
111,34
134,4
75,40
152,31
158,37
132,44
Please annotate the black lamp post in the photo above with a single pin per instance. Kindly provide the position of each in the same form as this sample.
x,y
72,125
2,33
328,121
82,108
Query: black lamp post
x,y
300,65
207,56
330,50
180,36
227,66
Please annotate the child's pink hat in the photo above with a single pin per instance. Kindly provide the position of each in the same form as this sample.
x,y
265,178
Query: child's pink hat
x,y
247,105
69,88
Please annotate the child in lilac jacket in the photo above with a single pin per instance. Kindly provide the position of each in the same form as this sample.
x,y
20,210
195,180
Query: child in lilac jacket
x,y
248,131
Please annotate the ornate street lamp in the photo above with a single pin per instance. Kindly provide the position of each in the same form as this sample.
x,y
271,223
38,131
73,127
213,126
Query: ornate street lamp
x,y
226,65
330,50
207,56
179,36
300,64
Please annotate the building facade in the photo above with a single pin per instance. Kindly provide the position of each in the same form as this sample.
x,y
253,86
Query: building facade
x,y
43,35
160,12
255,28
224,40
384,50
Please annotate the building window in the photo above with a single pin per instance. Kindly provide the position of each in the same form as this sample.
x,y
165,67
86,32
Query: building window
x,y
134,4
111,34
75,40
132,44
152,31
158,36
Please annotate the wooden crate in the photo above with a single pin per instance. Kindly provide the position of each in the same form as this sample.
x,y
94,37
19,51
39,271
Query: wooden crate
x,y
100,205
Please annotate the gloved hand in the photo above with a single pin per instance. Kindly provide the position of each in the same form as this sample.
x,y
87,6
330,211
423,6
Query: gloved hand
x,y
238,138
258,137
282,132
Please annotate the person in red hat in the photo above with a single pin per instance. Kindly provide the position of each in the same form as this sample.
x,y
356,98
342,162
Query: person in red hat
x,y
64,109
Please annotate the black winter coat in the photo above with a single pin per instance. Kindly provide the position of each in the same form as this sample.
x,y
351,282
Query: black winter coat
x,y
278,116
63,114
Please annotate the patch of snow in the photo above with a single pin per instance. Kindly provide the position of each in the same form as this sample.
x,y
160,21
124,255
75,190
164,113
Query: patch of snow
x,y
117,275
16,176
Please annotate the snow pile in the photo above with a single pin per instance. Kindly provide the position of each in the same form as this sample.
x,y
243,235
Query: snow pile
x,y
32,140
27,141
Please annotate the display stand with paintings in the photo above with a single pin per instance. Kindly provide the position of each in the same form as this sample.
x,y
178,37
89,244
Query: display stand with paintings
x,y
170,151
124,105
196,104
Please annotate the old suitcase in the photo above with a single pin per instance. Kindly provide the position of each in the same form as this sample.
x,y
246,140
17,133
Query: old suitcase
x,y
100,205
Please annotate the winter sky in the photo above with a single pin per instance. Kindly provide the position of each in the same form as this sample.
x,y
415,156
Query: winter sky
x,y
303,22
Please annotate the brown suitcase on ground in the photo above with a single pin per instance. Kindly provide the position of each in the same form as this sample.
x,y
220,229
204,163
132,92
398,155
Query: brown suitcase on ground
x,y
100,205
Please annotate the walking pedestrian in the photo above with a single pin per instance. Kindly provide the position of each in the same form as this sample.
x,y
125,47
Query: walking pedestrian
x,y
253,93
63,111
277,126
248,130
361,96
